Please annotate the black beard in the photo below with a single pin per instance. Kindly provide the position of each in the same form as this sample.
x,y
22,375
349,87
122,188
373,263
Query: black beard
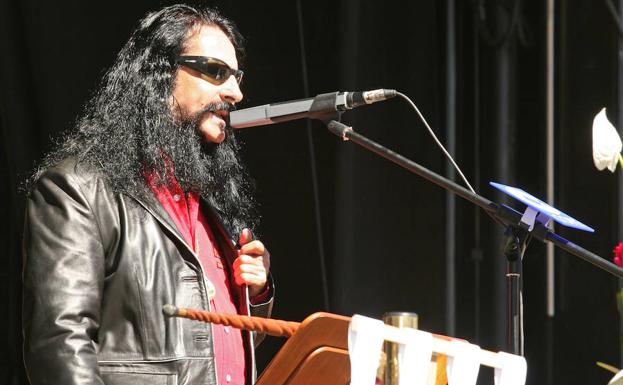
x,y
211,170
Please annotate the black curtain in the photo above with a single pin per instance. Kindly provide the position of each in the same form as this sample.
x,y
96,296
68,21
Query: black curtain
x,y
383,228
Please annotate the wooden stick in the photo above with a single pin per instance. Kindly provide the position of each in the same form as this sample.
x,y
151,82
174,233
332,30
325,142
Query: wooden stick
x,y
277,328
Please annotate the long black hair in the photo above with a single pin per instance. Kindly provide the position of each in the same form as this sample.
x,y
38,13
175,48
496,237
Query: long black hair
x,y
127,128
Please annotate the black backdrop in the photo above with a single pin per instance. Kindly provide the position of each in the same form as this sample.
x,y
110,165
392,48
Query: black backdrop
x,y
385,232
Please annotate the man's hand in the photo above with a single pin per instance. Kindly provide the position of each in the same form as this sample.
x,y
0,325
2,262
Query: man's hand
x,y
252,265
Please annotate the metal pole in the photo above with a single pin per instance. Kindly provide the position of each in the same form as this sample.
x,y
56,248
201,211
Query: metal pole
x,y
503,126
550,148
451,145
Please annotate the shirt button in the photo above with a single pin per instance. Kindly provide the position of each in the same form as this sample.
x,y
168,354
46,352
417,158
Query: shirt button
x,y
228,378
176,197
227,329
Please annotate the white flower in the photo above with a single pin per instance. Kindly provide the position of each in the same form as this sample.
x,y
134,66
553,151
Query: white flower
x,y
606,143
617,379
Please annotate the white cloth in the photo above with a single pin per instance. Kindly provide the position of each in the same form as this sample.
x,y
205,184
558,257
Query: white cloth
x,y
606,143
463,367
414,357
365,342
513,371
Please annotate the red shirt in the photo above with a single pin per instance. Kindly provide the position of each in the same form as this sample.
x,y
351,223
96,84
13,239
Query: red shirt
x,y
228,345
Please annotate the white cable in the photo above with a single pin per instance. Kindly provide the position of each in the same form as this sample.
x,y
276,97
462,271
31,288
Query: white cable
x,y
443,149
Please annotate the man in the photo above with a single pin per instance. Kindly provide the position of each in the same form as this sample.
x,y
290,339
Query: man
x,y
136,209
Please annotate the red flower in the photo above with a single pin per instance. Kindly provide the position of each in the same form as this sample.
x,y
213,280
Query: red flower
x,y
618,255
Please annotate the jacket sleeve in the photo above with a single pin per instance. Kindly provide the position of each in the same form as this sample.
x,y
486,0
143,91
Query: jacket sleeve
x,y
63,277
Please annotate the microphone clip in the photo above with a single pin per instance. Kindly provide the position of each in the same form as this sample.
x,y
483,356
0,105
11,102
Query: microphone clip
x,y
329,106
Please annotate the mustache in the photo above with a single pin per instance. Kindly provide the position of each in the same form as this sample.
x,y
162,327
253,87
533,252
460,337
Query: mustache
x,y
217,106
212,107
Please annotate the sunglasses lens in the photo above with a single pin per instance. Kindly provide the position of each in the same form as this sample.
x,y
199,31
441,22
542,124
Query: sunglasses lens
x,y
216,71
238,76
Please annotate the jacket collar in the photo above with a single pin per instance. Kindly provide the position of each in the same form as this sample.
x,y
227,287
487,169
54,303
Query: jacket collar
x,y
155,208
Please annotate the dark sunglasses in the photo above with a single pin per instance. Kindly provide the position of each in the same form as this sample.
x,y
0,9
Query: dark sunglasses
x,y
215,70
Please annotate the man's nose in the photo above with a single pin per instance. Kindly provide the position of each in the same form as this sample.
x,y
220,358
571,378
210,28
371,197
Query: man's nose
x,y
230,91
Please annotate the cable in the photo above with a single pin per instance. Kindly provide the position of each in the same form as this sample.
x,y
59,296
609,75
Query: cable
x,y
443,149
312,161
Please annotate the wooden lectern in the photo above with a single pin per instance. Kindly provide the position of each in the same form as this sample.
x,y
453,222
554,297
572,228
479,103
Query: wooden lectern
x,y
317,351
317,354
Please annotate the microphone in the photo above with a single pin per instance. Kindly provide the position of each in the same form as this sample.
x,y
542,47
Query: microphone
x,y
321,106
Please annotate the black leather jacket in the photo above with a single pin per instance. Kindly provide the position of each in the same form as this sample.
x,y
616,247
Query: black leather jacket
x,y
98,267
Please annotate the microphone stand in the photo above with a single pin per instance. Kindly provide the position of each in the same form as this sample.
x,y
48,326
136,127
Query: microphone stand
x,y
517,232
